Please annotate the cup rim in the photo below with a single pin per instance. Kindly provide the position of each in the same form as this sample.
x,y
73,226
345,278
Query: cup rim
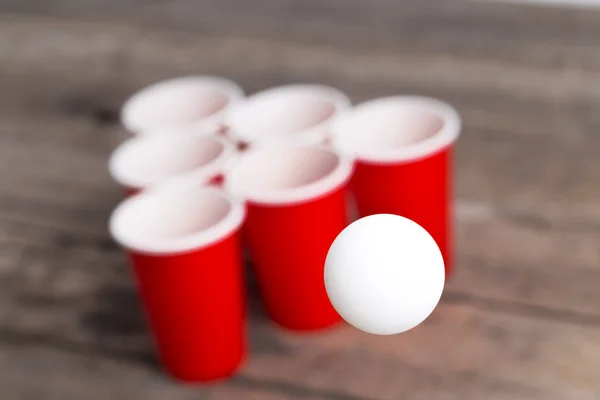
x,y
133,124
446,136
187,243
202,173
340,174
315,134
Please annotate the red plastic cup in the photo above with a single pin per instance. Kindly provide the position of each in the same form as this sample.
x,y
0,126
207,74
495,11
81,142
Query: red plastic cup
x,y
182,240
295,209
403,147
298,113
148,160
197,101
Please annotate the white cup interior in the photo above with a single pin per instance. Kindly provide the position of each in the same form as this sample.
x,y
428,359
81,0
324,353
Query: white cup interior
x,y
393,128
280,173
148,160
397,128
178,102
175,218
285,111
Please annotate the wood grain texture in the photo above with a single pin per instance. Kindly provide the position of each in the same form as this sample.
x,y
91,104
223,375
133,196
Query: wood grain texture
x,y
520,320
520,34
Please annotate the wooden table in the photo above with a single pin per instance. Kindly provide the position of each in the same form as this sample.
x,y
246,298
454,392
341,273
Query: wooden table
x,y
520,320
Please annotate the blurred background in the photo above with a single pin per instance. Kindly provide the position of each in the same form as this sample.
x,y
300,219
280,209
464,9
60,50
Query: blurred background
x,y
519,320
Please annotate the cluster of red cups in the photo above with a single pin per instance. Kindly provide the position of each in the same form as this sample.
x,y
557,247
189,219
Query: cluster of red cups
x,y
209,171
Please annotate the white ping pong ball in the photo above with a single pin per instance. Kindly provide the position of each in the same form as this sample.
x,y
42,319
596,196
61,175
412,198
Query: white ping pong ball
x,y
384,274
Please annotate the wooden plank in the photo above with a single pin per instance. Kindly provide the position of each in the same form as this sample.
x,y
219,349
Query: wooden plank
x,y
128,50
459,353
498,32
553,3
531,176
34,372
507,98
529,102
470,352
536,270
